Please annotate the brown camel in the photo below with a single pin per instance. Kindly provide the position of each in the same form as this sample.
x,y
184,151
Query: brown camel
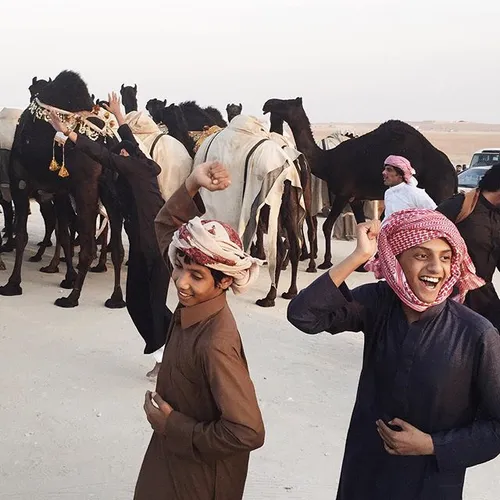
x,y
353,170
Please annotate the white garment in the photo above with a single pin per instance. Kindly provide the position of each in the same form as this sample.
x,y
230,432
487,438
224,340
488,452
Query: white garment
x,y
405,196
158,355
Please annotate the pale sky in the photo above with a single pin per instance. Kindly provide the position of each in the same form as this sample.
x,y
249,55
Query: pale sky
x,y
351,61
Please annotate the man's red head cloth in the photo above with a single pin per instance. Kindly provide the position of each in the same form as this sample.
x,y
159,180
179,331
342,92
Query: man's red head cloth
x,y
403,164
409,228
216,245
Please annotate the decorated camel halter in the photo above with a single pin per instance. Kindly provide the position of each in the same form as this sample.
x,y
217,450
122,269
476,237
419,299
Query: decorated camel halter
x,y
76,122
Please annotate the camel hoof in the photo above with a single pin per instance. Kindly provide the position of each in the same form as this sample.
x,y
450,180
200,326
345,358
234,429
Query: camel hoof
x,y
289,295
265,302
66,302
10,290
311,269
68,284
325,265
49,270
35,258
115,303
100,268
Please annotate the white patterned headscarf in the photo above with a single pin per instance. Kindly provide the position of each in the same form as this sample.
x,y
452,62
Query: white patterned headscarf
x,y
215,245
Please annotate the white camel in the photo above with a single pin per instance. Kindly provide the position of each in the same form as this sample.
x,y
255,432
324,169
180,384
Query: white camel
x,y
260,169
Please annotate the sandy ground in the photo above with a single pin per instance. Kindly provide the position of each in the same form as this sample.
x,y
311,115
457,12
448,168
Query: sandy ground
x,y
72,385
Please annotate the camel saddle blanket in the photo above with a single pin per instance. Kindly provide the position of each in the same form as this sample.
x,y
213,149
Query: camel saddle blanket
x,y
259,168
9,118
170,154
200,136
319,187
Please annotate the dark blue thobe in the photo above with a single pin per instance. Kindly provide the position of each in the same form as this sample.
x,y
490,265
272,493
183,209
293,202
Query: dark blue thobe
x,y
440,374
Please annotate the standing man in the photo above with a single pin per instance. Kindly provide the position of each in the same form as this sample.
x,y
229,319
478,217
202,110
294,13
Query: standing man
x,y
403,192
477,217
140,197
205,414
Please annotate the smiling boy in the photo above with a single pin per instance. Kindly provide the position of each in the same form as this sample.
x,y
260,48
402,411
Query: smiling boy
x,y
428,400
206,419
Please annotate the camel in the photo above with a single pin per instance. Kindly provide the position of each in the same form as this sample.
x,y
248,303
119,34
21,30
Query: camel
x,y
129,98
173,118
233,110
197,118
277,134
353,170
81,177
9,118
262,174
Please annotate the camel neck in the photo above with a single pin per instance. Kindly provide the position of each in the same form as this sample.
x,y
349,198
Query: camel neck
x,y
304,139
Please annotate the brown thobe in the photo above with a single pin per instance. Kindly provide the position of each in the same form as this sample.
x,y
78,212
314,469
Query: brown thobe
x,y
204,450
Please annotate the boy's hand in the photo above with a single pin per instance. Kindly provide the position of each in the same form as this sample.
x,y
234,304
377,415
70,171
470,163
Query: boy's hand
x,y
210,175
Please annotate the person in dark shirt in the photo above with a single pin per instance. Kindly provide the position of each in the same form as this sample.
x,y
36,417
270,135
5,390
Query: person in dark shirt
x,y
477,217
428,400
148,276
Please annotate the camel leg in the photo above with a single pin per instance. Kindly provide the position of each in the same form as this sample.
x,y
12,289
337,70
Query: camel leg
x,y
8,212
338,205
2,265
257,249
291,224
270,299
357,210
21,202
53,266
117,255
86,208
48,212
312,236
103,256
62,205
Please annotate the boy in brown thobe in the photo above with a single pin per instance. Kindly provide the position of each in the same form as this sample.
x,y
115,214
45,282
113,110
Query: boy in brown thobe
x,y
204,414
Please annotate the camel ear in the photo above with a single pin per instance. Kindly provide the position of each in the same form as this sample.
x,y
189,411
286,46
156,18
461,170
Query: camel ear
x,y
241,107
122,87
299,100
164,102
135,87
50,80
34,80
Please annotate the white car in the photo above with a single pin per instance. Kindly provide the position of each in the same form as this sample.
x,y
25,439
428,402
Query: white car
x,y
469,179
485,157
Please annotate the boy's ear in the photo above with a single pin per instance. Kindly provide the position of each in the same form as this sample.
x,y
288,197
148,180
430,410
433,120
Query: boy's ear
x,y
226,282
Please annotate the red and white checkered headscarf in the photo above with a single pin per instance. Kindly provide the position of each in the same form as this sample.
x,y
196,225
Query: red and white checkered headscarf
x,y
403,164
215,245
409,228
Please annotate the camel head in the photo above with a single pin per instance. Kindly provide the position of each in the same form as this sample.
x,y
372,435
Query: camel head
x,y
155,108
129,97
233,110
284,108
174,118
37,85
